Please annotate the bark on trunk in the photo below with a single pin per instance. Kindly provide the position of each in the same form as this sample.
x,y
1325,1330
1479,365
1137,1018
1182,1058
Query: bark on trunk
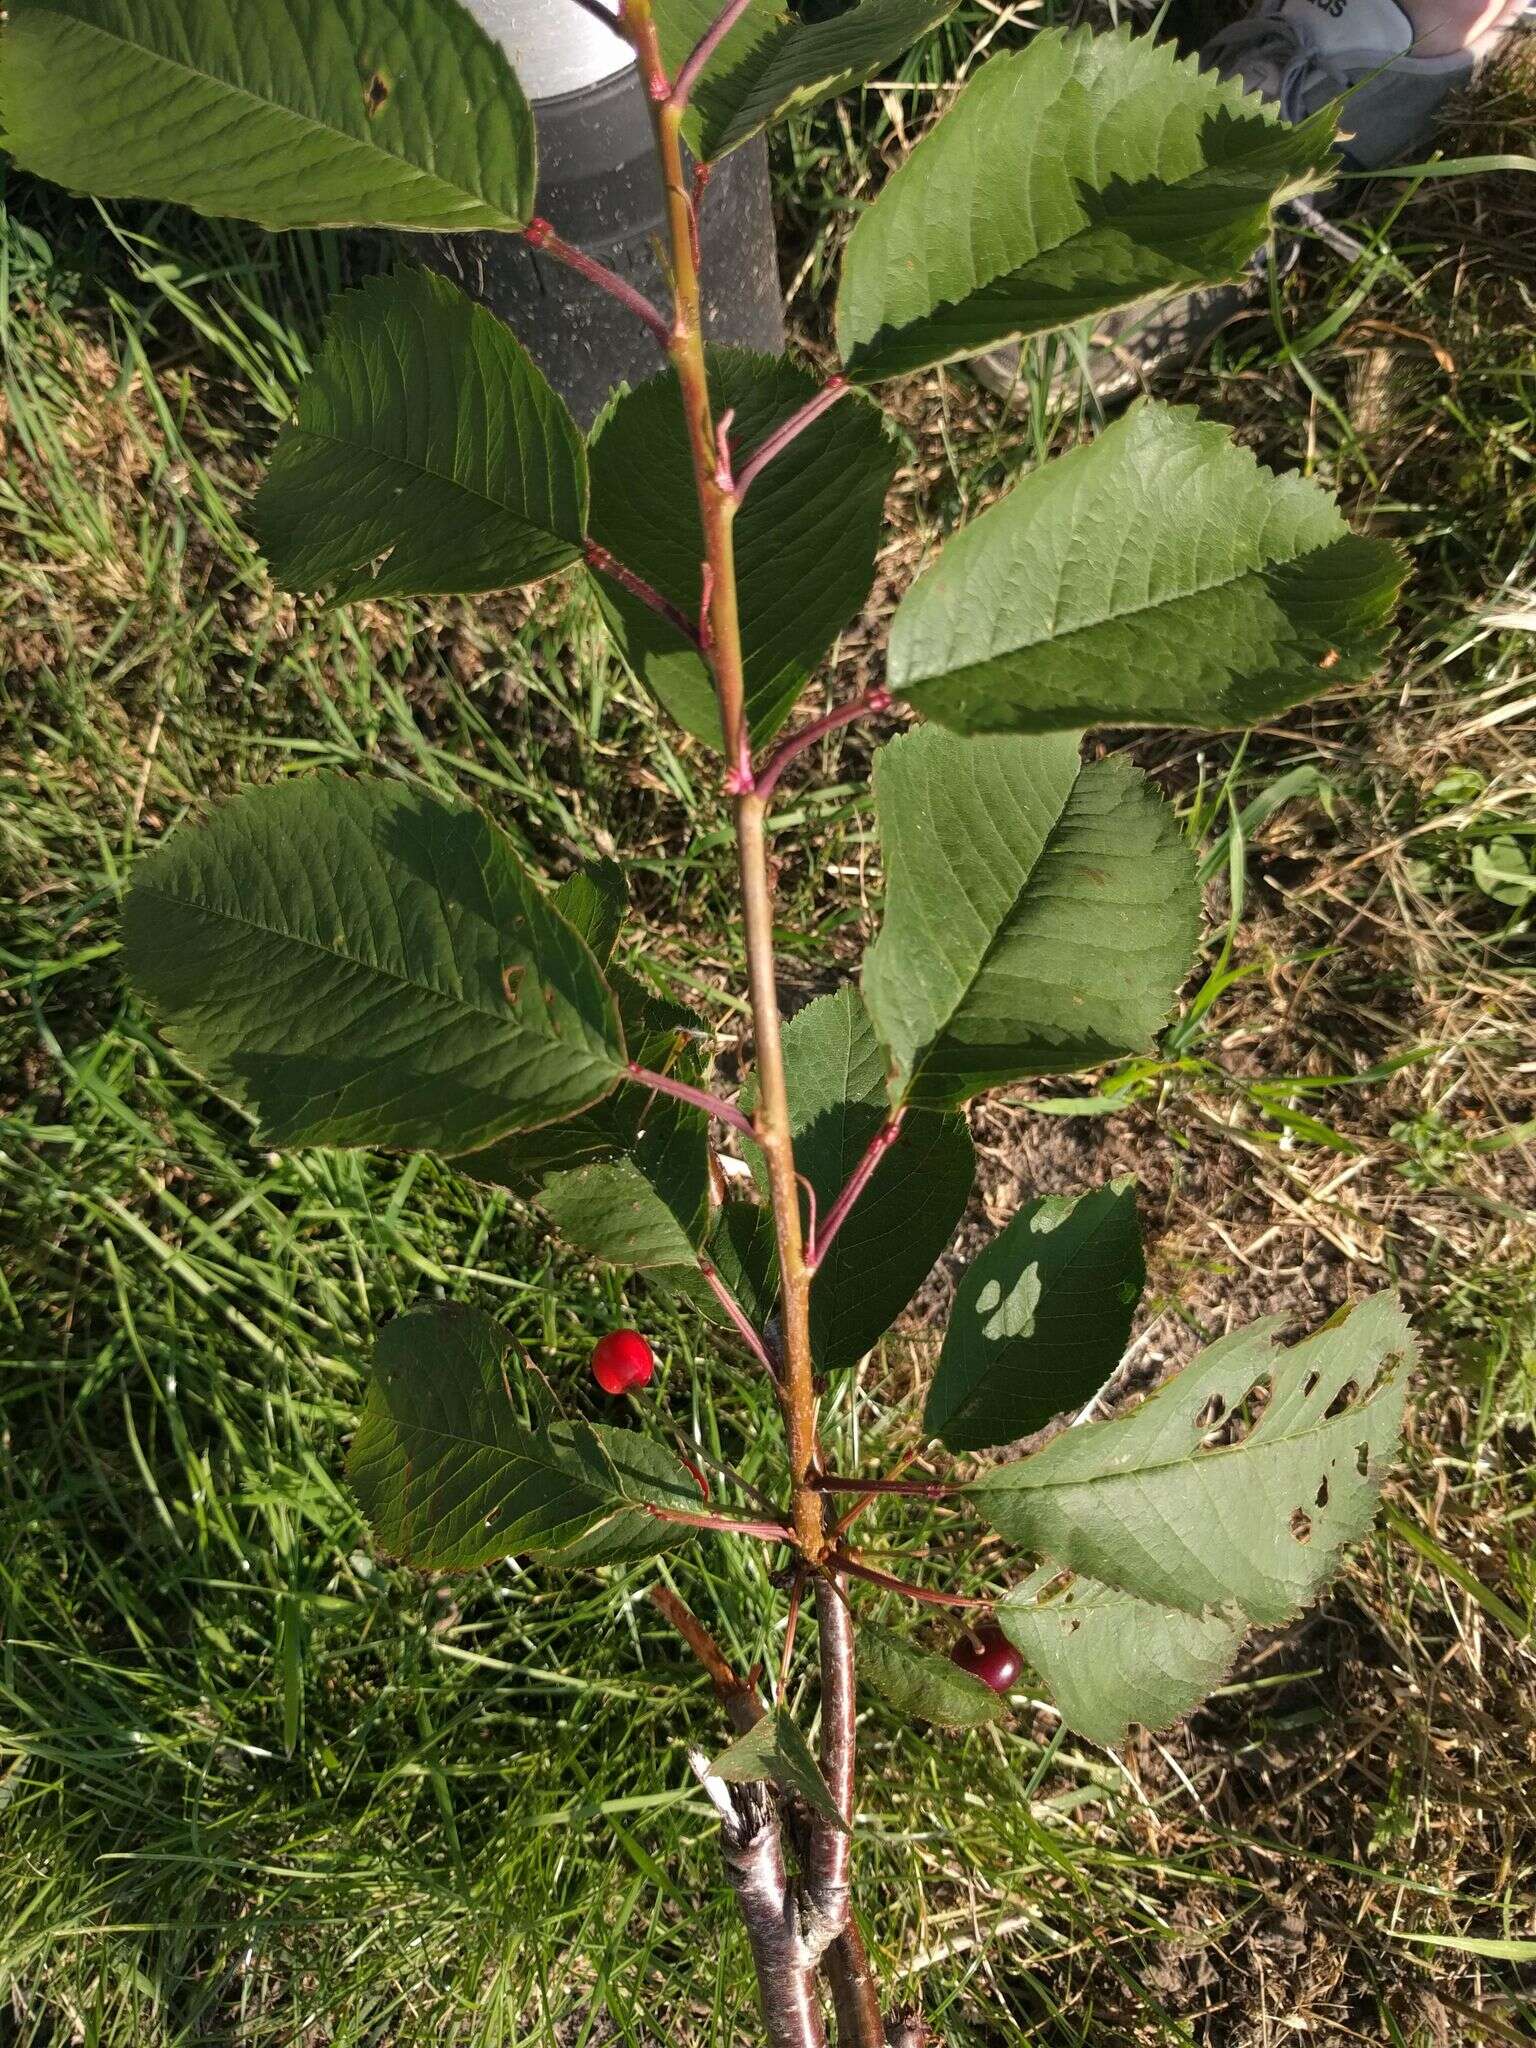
x,y
845,1966
754,1862
855,1994
828,1849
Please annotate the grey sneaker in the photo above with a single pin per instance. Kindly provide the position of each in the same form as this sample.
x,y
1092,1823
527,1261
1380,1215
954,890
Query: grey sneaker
x,y
1301,54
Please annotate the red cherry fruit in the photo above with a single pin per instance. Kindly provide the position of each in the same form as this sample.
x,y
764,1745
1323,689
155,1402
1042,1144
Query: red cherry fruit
x,y
988,1655
622,1360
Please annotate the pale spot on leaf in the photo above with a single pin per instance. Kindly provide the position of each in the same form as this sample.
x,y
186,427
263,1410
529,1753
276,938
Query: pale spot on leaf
x,y
1011,1314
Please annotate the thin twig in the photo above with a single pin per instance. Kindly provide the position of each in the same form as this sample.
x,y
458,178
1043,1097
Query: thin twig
x,y
684,1091
717,510
738,1696
704,49
875,1577
873,1490
810,1204
743,1323
724,1525
786,1974
912,1489
846,1521
689,1449
599,559
774,1135
775,443
540,235
858,1180
787,750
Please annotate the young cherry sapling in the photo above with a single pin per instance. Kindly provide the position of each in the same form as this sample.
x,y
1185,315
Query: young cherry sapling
x,y
364,963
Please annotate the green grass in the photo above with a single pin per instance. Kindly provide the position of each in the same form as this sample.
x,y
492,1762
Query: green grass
x,y
256,1787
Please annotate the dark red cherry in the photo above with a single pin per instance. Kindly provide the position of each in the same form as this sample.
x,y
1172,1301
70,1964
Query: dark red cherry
x,y
988,1655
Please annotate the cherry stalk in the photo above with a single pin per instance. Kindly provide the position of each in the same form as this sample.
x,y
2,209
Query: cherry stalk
x,y
786,1976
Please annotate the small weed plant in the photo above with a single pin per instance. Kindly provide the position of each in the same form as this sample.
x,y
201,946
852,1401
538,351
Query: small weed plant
x,y
365,964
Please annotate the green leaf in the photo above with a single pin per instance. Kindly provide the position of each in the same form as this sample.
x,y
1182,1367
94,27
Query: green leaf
x,y
774,1751
293,113
428,455
368,965
647,1471
654,1025
1039,915
922,1684
771,64
523,1161
448,1472
1040,1319
1108,1659
745,1253
593,902
1160,1504
649,1208
1080,174
1157,576
1502,871
653,1030
835,1070
1496,1947
805,537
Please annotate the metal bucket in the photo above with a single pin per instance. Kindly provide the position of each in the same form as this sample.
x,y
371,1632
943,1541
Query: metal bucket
x,y
600,188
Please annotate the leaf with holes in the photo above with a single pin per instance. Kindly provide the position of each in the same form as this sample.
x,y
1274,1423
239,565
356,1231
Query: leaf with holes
x,y
1159,575
1080,174
771,64
293,113
1039,914
773,1751
452,1474
1040,1318
1109,1660
835,1072
805,536
428,455
368,965
921,1684
1188,1504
